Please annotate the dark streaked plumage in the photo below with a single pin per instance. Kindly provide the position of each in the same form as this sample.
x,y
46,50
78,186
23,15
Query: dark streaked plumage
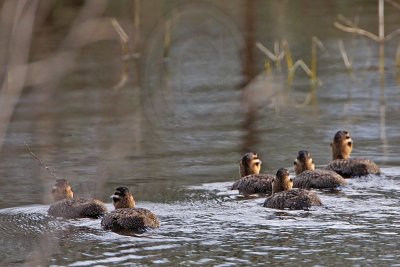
x,y
127,218
78,208
318,179
348,168
254,184
307,177
342,164
283,197
251,181
298,199
134,219
69,207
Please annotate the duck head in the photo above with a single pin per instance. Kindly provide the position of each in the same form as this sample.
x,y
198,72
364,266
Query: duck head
x,y
282,181
303,162
61,190
250,164
122,198
342,145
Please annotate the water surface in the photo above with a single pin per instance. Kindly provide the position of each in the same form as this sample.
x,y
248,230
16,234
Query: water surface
x,y
176,131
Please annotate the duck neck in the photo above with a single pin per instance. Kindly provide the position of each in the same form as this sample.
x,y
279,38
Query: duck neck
x,y
338,154
68,194
128,202
282,186
243,170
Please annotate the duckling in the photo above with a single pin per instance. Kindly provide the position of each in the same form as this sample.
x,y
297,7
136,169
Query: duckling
x,y
308,177
252,182
127,218
283,197
67,206
342,164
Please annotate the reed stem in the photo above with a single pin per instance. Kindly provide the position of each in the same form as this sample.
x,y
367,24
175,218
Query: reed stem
x,y
40,162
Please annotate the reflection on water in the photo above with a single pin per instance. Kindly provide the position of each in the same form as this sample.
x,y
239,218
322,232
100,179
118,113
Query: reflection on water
x,y
174,134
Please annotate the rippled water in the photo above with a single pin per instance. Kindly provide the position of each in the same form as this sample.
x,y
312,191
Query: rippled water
x,y
175,140
211,226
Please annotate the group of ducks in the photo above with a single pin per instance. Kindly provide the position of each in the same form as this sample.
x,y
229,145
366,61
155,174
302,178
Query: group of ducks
x,y
279,187
127,218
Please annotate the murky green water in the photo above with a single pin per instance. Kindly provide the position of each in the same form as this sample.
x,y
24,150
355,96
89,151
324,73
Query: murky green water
x,y
177,129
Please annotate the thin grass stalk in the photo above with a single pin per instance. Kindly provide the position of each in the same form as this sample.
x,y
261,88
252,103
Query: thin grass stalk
x,y
314,55
124,40
277,52
345,58
41,162
357,30
289,62
288,54
267,67
300,63
381,15
275,56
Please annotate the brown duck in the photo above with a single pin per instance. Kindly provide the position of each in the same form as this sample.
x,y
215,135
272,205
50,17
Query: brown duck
x,y
67,206
127,218
342,145
251,181
284,197
308,177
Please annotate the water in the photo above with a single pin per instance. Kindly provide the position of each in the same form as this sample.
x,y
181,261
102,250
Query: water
x,y
211,226
175,138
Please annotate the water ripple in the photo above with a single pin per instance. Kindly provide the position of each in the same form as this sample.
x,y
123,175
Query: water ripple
x,y
212,226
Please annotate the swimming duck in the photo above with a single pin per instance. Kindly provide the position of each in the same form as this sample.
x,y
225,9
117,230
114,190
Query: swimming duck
x,y
284,197
308,177
251,181
67,206
342,164
127,218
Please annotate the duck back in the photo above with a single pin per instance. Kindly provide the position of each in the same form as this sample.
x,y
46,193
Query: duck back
x,y
130,219
296,199
78,208
348,168
318,179
254,184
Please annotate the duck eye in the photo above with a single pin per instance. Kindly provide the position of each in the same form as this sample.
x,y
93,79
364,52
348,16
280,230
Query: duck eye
x,y
294,163
257,163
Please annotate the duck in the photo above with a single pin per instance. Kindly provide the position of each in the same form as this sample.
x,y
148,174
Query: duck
x,y
126,217
69,207
251,181
284,197
308,177
342,146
